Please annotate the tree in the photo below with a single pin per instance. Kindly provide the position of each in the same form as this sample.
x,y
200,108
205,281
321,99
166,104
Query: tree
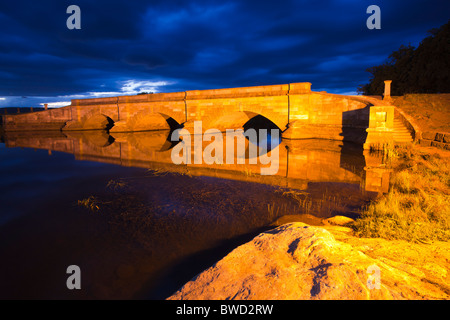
x,y
422,70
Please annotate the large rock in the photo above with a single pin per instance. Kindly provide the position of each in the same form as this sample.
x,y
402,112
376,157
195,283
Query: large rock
x,y
298,261
338,221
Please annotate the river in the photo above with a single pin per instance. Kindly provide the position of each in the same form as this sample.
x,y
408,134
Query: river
x,y
139,226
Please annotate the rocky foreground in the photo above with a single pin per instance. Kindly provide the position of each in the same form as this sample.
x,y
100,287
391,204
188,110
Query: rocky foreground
x,y
299,261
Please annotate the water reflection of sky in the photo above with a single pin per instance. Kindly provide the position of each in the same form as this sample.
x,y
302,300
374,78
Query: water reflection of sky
x,y
29,176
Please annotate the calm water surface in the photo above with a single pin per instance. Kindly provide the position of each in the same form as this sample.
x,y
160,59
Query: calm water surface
x,y
139,226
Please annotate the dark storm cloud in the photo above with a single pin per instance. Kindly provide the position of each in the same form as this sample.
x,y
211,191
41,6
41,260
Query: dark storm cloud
x,y
184,45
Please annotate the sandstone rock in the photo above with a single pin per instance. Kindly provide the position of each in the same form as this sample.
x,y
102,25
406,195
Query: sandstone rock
x,y
298,261
338,221
305,218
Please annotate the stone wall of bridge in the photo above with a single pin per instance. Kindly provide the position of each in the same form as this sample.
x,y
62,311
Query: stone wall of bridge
x,y
299,113
53,119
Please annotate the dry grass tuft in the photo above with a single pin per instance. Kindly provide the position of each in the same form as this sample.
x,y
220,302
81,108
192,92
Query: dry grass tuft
x,y
417,205
90,203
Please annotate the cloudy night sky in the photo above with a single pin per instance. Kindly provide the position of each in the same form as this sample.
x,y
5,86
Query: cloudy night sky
x,y
127,47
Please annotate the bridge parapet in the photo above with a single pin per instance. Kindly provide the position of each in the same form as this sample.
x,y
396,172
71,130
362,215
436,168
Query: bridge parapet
x,y
51,119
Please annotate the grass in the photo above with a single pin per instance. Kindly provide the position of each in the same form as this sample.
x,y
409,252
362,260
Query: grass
x,y
324,206
116,184
302,199
90,203
157,172
388,151
248,172
416,208
273,213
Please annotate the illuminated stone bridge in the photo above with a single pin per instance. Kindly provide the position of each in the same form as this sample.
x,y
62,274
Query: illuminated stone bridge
x,y
296,110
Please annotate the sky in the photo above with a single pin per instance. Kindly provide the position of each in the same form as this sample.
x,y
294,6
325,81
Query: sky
x,y
127,47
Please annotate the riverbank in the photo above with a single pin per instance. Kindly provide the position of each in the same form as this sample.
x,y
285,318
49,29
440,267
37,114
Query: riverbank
x,y
416,209
402,236
298,261
429,111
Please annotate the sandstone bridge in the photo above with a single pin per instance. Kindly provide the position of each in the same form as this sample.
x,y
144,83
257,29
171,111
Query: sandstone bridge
x,y
296,110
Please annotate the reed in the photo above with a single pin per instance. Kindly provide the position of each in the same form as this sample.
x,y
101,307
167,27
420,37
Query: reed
x,y
116,184
90,203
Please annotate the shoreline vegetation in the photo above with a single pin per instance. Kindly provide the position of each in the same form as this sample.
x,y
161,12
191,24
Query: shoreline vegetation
x,y
403,234
417,206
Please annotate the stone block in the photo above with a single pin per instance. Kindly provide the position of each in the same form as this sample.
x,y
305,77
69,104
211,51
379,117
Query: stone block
x,y
439,137
438,144
425,143
302,87
447,138
428,135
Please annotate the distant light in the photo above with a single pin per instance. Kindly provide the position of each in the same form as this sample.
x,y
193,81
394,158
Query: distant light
x,y
132,87
128,87
101,94
56,104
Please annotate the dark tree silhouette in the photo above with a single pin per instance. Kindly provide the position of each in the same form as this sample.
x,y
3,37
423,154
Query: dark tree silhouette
x,y
422,70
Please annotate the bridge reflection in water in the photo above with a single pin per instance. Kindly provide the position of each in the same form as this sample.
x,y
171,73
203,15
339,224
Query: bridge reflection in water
x,y
301,163
152,237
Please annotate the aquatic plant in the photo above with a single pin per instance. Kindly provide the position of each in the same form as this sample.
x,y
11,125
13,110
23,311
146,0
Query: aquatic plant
x,y
90,203
116,184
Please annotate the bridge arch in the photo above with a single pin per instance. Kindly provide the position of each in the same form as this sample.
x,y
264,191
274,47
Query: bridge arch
x,y
147,121
98,122
244,120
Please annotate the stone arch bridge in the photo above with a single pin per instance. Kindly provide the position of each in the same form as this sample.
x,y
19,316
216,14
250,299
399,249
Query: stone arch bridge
x,y
299,113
